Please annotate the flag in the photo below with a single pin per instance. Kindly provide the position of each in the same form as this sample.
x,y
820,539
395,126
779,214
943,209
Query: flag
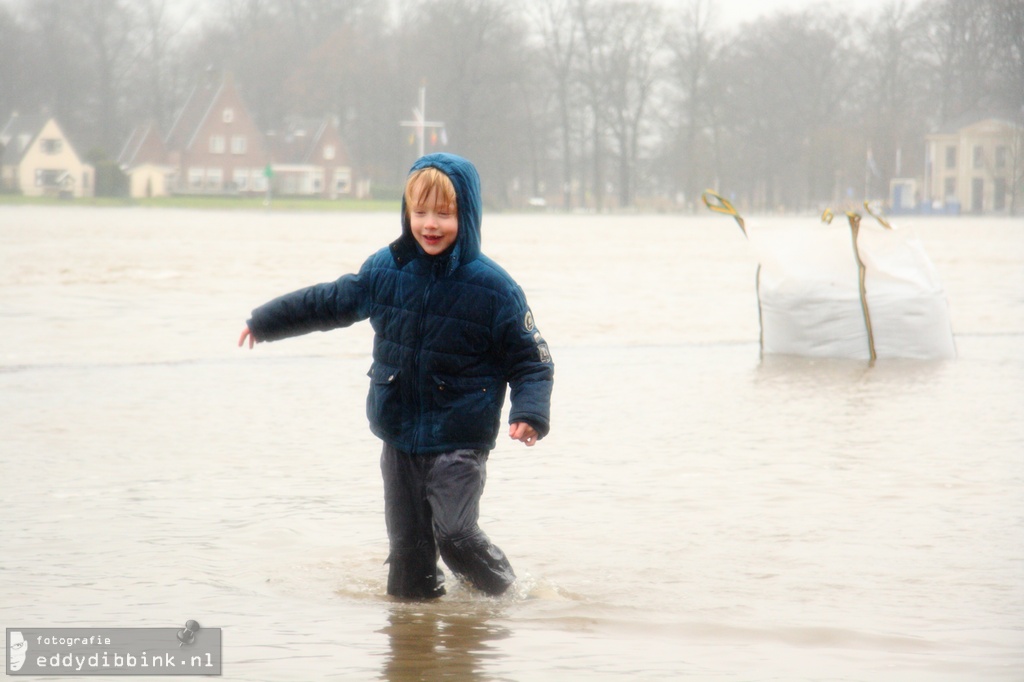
x,y
871,164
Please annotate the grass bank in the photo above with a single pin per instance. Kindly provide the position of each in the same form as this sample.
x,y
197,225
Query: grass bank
x,y
218,203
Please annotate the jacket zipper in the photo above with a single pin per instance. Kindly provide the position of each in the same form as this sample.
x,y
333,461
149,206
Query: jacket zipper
x,y
420,381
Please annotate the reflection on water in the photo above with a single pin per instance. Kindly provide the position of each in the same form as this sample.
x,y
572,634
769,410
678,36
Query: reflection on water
x,y
697,512
428,641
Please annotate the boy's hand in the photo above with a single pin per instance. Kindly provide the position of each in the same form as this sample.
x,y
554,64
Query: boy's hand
x,y
524,432
246,333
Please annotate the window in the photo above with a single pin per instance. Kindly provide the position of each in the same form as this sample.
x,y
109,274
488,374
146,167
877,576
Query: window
x,y
342,180
328,152
51,145
241,178
999,195
1002,154
950,189
216,144
318,181
195,178
214,178
259,180
978,158
48,178
239,144
228,116
951,157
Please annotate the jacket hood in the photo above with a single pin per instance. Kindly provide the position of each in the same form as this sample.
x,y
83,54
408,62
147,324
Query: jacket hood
x,y
466,182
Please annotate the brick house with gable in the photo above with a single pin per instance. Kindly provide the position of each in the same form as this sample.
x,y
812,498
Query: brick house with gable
x,y
214,145
310,159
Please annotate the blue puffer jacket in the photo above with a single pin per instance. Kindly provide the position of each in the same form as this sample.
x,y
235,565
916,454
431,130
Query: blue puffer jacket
x,y
451,333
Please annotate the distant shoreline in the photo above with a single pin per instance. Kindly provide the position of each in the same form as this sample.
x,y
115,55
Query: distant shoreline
x,y
312,205
226,203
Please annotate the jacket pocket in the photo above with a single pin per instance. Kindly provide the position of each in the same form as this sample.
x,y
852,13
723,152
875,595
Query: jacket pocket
x,y
468,409
384,401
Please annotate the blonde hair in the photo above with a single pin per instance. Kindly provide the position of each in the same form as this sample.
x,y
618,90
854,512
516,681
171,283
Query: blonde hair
x,y
426,181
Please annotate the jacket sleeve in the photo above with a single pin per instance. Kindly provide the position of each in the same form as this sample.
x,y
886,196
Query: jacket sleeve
x,y
527,364
320,307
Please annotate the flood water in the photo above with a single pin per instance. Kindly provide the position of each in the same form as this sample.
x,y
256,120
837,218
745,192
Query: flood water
x,y
697,513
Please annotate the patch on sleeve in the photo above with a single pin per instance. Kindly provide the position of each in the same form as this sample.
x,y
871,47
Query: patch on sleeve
x,y
542,347
528,321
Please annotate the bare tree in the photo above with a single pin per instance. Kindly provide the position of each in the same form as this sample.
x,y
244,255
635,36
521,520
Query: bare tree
x,y
56,78
109,28
474,58
16,83
1006,18
785,81
594,25
693,47
621,43
634,74
780,112
558,32
890,96
155,61
959,48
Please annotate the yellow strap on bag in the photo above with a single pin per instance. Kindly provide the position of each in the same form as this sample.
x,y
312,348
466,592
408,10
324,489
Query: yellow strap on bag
x,y
723,206
880,219
811,303
854,220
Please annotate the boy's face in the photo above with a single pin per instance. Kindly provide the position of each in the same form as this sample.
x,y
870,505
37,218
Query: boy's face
x,y
435,225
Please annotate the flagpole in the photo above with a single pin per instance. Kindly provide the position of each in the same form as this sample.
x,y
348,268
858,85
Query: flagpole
x,y
423,115
867,173
420,122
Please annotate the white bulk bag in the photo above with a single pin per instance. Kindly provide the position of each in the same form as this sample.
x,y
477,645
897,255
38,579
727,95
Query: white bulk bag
x,y
863,292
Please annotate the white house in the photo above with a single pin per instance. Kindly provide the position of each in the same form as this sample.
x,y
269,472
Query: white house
x,y
978,167
38,159
144,160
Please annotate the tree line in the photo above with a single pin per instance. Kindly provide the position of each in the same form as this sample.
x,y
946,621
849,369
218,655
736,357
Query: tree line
x,y
591,104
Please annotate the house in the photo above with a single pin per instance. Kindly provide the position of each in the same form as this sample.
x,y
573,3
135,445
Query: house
x,y
977,167
310,159
144,160
38,159
214,145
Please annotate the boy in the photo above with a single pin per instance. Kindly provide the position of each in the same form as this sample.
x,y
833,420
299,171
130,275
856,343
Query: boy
x,y
452,330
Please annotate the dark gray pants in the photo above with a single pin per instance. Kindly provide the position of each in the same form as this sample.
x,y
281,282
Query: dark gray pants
x,y
431,506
